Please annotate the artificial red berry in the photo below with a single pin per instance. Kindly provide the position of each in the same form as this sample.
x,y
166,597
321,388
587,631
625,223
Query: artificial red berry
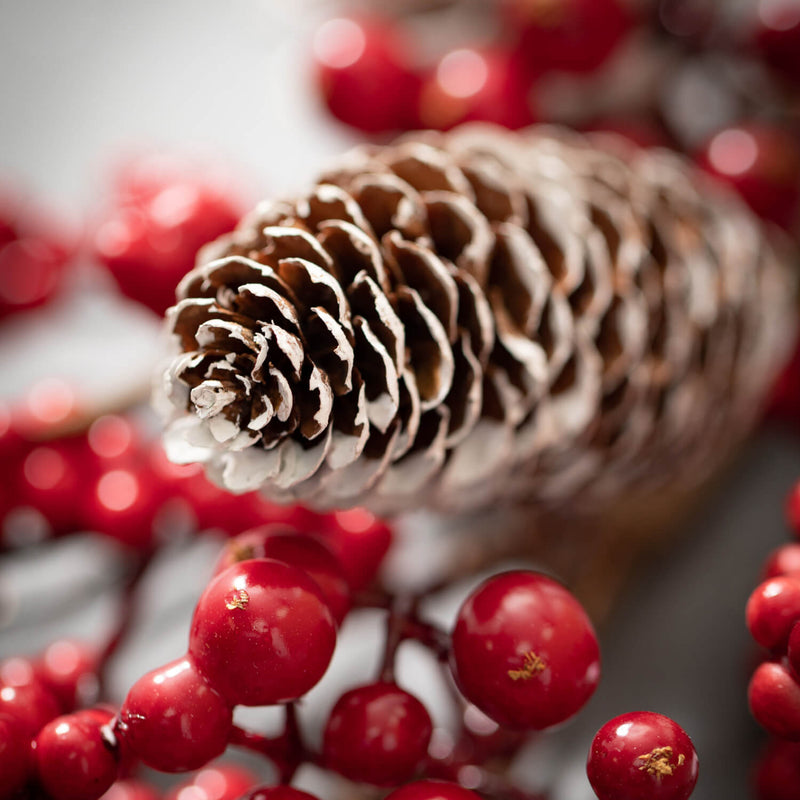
x,y
777,773
360,542
642,756
173,720
794,649
793,509
763,164
524,651
15,766
432,790
783,561
363,73
24,697
228,639
162,215
570,35
777,36
377,734
278,793
772,610
75,757
69,670
310,555
131,790
476,85
774,696
216,782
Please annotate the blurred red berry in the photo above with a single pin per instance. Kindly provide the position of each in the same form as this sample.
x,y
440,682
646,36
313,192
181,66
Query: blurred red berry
x,y
69,670
15,762
131,790
362,69
777,773
783,561
215,782
774,696
776,34
25,698
640,132
784,404
793,509
476,85
432,790
763,164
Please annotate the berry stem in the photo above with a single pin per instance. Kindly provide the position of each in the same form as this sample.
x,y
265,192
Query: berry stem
x,y
396,623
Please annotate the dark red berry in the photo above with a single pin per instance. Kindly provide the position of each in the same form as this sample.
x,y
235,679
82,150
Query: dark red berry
x,y
432,790
69,669
131,790
570,35
772,610
363,73
793,509
278,793
794,649
777,36
24,697
216,782
476,85
524,651
763,164
15,763
774,696
642,756
75,757
173,720
377,734
228,633
783,561
310,555
777,773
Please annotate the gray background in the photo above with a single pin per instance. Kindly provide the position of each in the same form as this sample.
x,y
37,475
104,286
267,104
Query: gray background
x,y
82,81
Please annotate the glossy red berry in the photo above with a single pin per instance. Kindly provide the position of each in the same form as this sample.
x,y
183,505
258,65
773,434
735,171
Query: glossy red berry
x,y
377,734
131,790
569,35
76,756
777,773
173,720
432,790
524,651
777,36
310,555
783,561
215,782
774,696
28,700
642,756
15,763
772,610
794,649
362,70
469,85
793,509
69,670
278,793
262,633
763,164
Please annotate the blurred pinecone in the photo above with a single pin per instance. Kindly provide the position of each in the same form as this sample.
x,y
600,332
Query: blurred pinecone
x,y
457,319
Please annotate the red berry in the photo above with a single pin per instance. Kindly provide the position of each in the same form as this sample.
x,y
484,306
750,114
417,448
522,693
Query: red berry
x,y
15,764
772,610
774,697
432,790
217,782
524,651
69,670
777,775
777,36
149,239
794,649
570,35
310,555
476,85
75,757
362,71
763,164
173,720
642,756
262,633
793,509
26,698
278,793
360,541
783,561
377,734
131,790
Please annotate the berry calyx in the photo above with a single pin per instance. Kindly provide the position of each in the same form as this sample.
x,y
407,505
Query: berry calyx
x,y
774,696
642,756
524,651
278,793
76,756
772,610
15,747
229,643
377,734
173,720
432,790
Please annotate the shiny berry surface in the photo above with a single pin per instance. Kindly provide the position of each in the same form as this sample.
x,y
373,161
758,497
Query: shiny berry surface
x,y
215,782
15,761
361,68
262,633
772,610
777,772
785,560
432,790
774,696
642,756
278,793
377,734
130,789
75,757
68,669
524,651
29,701
311,556
173,720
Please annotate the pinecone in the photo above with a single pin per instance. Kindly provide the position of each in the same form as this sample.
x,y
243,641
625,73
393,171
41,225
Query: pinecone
x,y
458,319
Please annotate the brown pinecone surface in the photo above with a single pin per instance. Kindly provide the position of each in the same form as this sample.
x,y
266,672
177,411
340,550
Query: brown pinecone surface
x,y
458,319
